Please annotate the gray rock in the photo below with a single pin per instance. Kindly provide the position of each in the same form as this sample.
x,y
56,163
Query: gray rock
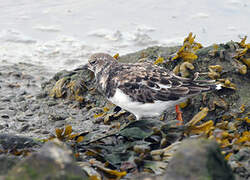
x,y
7,162
240,163
53,161
9,142
198,159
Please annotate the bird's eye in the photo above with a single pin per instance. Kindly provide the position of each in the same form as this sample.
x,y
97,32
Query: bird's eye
x,y
92,62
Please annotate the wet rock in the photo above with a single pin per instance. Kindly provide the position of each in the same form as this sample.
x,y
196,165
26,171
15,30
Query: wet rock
x,y
240,163
22,118
24,127
198,159
7,162
53,161
58,116
51,103
5,116
7,113
2,126
41,95
8,142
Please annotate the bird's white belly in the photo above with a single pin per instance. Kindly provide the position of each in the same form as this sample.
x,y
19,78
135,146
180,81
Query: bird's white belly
x,y
139,109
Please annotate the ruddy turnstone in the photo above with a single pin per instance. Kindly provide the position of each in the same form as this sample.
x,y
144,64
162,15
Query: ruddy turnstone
x,y
144,89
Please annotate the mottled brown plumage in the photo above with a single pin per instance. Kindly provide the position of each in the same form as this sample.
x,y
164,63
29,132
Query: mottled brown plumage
x,y
143,82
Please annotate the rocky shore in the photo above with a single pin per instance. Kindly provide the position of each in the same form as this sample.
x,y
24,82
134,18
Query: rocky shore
x,y
58,126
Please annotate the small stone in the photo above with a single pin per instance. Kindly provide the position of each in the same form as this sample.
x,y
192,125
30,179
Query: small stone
x,y
45,132
59,124
29,113
24,128
198,159
2,126
53,161
41,95
5,116
51,103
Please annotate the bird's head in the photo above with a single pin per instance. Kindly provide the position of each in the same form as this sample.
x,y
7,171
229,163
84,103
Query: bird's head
x,y
99,61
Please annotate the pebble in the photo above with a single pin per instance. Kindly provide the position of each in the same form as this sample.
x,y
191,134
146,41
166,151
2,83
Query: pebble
x,y
5,116
22,118
24,128
59,124
51,103
2,126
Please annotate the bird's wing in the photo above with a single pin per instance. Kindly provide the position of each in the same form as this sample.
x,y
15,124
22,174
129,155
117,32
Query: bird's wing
x,y
146,83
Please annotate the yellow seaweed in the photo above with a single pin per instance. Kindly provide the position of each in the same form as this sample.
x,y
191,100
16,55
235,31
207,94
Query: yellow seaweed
x,y
243,42
242,108
187,51
228,156
203,128
227,83
184,104
218,68
116,56
246,61
184,67
198,117
159,60
99,115
80,139
67,130
115,173
59,133
56,91
105,109
176,70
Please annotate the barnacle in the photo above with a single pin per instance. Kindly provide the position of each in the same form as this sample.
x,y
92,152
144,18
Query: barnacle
x,y
159,60
188,50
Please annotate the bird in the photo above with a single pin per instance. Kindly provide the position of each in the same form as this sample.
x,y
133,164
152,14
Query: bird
x,y
143,88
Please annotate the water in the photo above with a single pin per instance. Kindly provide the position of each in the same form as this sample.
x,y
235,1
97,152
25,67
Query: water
x,y
62,34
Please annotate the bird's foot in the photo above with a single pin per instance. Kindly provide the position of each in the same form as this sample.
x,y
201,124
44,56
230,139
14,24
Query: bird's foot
x,y
178,115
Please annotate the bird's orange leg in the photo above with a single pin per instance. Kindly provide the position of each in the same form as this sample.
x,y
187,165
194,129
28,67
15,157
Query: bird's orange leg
x,y
178,115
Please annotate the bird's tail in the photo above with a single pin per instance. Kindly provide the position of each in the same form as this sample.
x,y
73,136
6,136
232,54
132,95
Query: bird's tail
x,y
196,86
